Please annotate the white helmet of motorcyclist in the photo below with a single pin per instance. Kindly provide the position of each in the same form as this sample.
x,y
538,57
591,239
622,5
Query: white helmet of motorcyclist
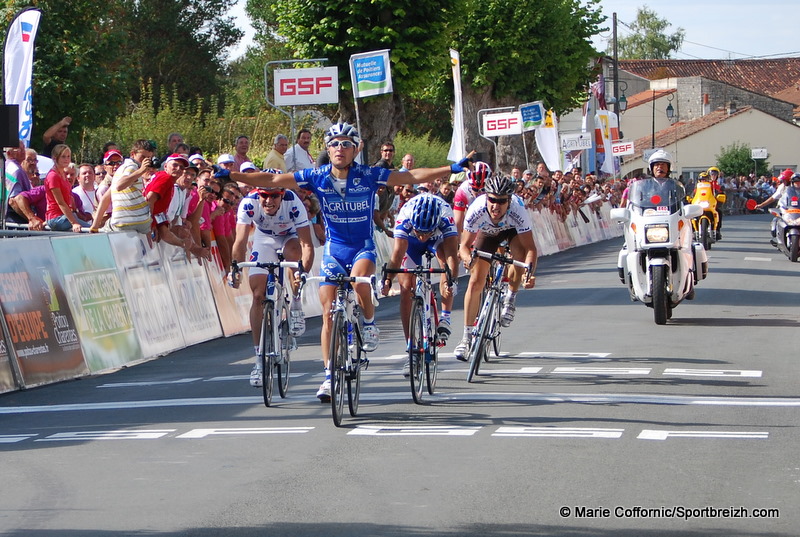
x,y
660,156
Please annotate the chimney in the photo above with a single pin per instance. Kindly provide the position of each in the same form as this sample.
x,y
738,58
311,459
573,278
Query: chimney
x,y
706,105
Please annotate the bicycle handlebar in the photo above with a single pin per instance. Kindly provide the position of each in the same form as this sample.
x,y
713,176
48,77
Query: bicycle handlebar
x,y
418,271
270,265
499,257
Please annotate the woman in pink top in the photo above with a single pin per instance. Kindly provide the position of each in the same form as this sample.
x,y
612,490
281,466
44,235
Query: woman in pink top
x,y
60,215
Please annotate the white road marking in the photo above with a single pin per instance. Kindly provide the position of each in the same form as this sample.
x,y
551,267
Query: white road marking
x,y
651,434
149,383
133,434
440,397
753,373
601,370
759,259
203,433
413,430
559,432
13,438
246,377
563,354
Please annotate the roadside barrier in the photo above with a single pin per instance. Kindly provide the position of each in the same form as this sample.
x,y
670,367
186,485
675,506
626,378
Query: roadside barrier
x,y
77,305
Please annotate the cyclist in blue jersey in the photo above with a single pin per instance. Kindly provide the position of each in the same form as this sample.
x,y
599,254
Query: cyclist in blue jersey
x,y
346,191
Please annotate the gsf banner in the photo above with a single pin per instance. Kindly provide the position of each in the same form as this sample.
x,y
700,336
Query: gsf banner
x,y
311,85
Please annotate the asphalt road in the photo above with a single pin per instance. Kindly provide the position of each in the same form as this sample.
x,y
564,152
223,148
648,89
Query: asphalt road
x,y
597,423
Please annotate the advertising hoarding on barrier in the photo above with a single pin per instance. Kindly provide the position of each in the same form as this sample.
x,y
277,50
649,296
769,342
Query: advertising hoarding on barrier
x,y
97,301
6,376
576,141
196,311
37,312
309,85
144,279
502,124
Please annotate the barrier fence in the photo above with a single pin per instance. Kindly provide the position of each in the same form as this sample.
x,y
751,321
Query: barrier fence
x,y
75,305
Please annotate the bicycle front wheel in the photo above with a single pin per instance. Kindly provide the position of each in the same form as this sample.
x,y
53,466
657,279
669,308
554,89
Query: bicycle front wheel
x,y
266,352
496,329
432,359
338,359
477,350
354,377
282,365
416,350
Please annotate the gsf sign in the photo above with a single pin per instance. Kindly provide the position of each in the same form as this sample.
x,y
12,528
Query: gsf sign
x,y
619,149
315,85
503,124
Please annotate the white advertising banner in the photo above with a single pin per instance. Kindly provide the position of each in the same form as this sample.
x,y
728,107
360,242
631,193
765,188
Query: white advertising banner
x,y
18,67
310,85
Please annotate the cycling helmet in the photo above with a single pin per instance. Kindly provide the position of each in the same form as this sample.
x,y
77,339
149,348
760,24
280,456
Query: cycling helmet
x,y
342,129
477,177
703,176
795,178
427,213
500,185
276,171
659,156
714,169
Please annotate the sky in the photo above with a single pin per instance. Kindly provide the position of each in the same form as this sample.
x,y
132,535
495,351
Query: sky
x,y
715,29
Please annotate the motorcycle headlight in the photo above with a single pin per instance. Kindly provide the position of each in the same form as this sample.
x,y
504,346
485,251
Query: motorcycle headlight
x,y
656,234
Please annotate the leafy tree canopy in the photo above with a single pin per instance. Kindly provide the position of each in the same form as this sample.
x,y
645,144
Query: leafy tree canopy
x,y
649,40
734,160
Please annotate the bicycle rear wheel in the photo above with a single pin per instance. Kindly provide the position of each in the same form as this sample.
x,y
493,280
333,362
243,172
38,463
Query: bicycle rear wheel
x,y
338,350
416,350
266,353
354,378
282,366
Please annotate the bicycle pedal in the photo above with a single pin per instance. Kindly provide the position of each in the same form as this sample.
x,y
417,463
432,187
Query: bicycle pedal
x,y
325,400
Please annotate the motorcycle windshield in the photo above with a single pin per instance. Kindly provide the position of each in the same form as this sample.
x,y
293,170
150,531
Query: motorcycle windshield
x,y
652,195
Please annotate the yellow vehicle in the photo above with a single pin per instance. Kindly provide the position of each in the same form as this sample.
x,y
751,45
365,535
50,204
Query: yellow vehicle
x,y
707,224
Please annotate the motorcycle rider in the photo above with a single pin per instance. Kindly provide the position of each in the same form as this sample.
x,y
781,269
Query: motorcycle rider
x,y
784,183
713,177
660,164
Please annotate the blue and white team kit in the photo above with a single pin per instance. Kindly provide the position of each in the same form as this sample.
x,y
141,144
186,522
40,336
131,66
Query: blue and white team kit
x,y
347,208
446,227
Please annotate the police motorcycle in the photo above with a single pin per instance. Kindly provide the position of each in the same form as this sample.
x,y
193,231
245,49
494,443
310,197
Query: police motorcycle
x,y
659,263
706,225
786,226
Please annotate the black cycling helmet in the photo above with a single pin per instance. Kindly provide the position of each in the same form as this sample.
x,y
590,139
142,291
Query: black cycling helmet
x,y
500,185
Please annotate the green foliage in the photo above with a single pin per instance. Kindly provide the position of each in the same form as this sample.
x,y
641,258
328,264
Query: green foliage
x,y
529,50
428,152
649,40
414,30
208,131
734,160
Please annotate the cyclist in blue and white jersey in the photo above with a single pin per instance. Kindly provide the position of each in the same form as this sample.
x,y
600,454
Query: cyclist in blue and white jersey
x,y
424,223
281,223
346,191
492,218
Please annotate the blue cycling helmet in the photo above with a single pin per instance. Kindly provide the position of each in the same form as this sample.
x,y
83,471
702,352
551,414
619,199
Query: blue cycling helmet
x,y
427,213
342,129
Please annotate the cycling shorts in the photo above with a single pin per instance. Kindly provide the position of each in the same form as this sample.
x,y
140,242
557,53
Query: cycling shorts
x,y
265,250
490,243
339,258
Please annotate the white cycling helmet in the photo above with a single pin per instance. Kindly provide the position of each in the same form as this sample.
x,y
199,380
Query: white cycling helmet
x,y
659,156
342,130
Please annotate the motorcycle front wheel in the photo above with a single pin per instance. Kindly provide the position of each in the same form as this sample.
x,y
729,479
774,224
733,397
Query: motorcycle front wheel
x,y
794,248
660,296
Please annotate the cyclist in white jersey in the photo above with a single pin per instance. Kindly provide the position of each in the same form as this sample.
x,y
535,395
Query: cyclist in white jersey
x,y
492,218
281,223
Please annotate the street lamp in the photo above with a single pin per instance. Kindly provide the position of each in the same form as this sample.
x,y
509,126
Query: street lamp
x,y
670,111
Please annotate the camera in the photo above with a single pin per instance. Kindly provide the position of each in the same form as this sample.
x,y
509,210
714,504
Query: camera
x,y
155,162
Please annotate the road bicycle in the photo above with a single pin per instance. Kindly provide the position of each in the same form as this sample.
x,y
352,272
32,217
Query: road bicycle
x,y
423,339
347,355
487,326
275,343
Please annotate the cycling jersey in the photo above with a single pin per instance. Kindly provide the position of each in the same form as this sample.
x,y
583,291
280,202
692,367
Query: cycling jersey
x,y
403,229
477,218
463,197
290,216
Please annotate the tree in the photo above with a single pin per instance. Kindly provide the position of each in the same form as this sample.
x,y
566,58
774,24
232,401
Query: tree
x,y
649,40
735,160
80,68
414,30
547,55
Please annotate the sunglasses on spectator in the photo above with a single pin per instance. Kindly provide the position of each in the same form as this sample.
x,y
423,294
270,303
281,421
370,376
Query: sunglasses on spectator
x,y
211,190
271,195
497,201
101,173
344,144
113,162
387,150
227,201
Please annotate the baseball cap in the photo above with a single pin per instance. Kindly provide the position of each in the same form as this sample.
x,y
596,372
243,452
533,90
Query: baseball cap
x,y
247,166
225,158
195,157
177,157
112,153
